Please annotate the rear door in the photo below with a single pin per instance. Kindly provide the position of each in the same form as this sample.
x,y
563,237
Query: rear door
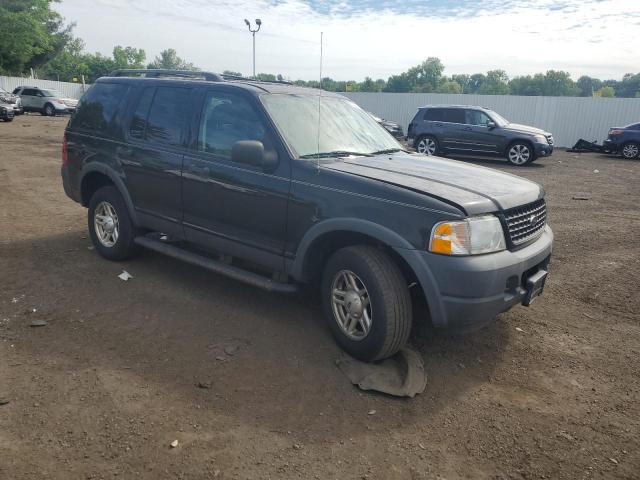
x,y
482,138
454,132
28,97
152,156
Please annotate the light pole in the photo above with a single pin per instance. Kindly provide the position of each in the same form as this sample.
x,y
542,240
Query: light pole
x,y
253,33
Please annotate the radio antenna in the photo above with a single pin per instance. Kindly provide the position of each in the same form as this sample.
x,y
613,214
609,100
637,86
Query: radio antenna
x,y
319,100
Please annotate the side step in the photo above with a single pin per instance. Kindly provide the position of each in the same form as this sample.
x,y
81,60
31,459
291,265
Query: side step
x,y
215,266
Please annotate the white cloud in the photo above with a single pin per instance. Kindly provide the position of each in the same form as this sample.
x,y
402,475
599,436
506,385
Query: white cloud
x,y
598,38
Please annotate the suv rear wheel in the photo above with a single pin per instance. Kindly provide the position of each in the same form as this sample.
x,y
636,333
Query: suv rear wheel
x,y
630,150
367,302
427,145
110,227
520,153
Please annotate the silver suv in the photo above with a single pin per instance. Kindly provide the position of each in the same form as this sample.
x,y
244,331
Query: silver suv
x,y
45,100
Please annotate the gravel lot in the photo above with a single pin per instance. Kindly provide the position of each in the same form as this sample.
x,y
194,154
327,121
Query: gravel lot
x,y
550,391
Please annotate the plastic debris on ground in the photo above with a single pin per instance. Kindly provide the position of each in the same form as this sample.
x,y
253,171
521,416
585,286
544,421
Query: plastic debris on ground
x,y
125,276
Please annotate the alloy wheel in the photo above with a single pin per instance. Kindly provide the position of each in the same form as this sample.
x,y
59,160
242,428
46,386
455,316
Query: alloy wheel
x,y
105,221
630,150
351,305
427,146
519,154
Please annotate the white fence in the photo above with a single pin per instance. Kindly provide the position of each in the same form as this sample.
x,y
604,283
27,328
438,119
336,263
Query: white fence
x,y
568,118
71,90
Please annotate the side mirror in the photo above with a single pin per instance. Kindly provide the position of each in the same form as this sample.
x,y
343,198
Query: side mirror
x,y
491,125
251,152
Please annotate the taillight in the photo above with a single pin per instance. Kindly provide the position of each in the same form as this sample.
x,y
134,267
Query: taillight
x,y
65,152
410,128
616,132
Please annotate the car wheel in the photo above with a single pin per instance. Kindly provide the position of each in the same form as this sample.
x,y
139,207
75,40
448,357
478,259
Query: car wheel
x,y
49,111
520,153
8,119
110,227
427,145
630,150
367,303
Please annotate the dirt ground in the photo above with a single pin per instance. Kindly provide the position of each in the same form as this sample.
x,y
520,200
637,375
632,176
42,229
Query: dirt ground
x,y
100,392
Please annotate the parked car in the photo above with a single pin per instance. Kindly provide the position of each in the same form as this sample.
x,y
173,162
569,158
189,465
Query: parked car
x,y
13,100
624,140
442,129
6,112
239,168
392,127
46,101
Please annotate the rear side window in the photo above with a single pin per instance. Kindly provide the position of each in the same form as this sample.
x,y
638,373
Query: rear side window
x,y
30,92
453,115
167,115
434,114
98,106
138,124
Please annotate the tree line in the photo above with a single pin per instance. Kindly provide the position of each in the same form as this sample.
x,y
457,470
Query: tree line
x,y
34,37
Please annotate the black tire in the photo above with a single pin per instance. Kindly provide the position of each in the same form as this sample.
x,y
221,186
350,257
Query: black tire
x,y
48,110
519,160
8,119
390,302
630,150
124,246
427,145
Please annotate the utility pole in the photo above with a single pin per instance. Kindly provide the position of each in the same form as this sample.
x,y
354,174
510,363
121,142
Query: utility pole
x,y
253,34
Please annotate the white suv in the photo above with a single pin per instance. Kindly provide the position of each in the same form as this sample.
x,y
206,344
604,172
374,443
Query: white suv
x,y
44,100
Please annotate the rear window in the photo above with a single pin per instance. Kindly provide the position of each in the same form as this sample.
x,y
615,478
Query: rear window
x,y
454,115
98,107
167,115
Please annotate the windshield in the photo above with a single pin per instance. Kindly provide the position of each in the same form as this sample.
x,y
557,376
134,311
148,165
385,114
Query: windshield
x,y
499,119
51,93
344,127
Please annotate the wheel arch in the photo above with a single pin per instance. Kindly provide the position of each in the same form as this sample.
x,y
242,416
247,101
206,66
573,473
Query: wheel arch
x,y
95,176
513,141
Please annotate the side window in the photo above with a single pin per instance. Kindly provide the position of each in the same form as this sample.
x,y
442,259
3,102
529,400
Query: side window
x,y
98,106
476,117
434,114
227,119
168,115
138,124
454,115
30,92
16,91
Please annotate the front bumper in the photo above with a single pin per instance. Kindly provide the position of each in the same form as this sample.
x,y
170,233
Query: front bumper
x,y
469,292
6,114
543,149
610,145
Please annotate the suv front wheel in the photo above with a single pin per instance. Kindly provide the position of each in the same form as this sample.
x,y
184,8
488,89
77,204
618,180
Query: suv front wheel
x,y
110,227
630,150
427,145
520,153
367,302
48,110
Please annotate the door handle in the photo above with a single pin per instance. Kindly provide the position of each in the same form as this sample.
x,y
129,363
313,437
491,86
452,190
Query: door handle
x,y
124,152
467,128
198,169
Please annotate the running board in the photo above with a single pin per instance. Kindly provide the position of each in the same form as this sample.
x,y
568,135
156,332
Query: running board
x,y
230,271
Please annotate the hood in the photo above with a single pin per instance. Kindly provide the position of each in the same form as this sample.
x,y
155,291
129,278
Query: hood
x,y
516,127
471,188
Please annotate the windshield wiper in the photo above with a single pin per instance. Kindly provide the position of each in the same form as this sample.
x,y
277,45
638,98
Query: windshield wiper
x,y
390,150
334,154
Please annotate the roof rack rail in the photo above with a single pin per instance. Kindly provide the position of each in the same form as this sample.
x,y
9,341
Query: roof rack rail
x,y
156,73
247,79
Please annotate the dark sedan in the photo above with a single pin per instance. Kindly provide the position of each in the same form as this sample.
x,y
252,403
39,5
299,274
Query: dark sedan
x,y
624,140
392,127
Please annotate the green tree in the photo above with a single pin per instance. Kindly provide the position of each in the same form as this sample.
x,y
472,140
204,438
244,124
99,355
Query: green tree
x,y
31,33
607,92
495,83
449,86
475,82
587,85
169,59
559,84
128,57
463,80
426,76
527,85
232,73
398,83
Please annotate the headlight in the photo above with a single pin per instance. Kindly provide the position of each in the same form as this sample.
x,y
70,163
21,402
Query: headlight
x,y
470,236
540,138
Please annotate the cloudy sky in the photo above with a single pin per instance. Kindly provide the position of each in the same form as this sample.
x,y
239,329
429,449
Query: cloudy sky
x,y
373,37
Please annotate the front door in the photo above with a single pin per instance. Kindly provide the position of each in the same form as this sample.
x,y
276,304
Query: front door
x,y
235,208
483,138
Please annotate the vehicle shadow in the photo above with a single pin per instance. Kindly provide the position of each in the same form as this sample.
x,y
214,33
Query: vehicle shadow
x,y
269,359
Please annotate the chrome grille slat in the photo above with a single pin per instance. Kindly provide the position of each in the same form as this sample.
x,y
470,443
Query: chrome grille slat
x,y
519,224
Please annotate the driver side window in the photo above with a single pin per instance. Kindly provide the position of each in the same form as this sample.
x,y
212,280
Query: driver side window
x,y
476,117
227,119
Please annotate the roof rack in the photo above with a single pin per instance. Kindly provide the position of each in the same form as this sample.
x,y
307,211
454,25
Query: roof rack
x,y
195,74
156,73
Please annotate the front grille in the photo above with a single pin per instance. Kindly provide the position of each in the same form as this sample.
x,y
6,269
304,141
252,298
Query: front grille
x,y
526,222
